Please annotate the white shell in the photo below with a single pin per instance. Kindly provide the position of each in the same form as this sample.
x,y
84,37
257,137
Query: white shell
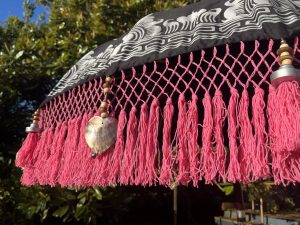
x,y
100,133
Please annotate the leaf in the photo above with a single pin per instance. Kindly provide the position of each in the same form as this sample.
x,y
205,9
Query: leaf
x,y
19,54
97,193
60,212
228,190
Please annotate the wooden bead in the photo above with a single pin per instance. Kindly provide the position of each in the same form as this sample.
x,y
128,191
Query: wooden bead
x,y
108,80
106,90
104,114
105,85
101,110
103,105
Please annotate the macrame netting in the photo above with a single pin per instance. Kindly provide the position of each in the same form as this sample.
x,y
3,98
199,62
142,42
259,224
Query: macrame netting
x,y
206,115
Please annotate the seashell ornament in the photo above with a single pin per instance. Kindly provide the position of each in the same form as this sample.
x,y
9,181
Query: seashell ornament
x,y
101,131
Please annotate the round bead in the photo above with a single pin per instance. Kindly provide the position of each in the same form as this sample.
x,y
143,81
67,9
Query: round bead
x,y
104,114
94,155
106,90
103,105
108,80
101,110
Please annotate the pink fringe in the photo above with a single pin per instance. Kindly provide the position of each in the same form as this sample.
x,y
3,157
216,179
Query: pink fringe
x,y
166,173
70,148
152,143
39,147
127,168
47,166
25,154
192,139
284,131
219,115
28,178
234,173
42,159
140,177
288,109
54,161
183,176
260,159
117,155
86,163
247,144
207,158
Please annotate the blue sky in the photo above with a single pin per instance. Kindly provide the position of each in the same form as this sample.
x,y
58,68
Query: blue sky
x,y
14,8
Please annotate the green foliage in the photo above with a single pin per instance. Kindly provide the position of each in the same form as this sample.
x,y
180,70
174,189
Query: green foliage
x,y
276,197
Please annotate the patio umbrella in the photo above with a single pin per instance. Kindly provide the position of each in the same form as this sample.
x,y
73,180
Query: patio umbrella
x,y
184,96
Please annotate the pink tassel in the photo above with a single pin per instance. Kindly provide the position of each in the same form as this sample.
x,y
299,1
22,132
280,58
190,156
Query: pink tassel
x,y
285,133
127,168
140,177
42,158
99,176
247,145
260,161
54,161
70,149
28,178
39,147
86,163
166,174
75,165
25,154
288,109
183,176
192,139
152,143
46,167
219,115
234,173
119,150
207,158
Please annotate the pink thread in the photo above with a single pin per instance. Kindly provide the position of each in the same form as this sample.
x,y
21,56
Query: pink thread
x,y
260,161
140,178
86,165
25,154
285,133
219,115
247,145
234,173
166,173
28,178
207,158
127,167
117,155
152,144
70,149
46,168
183,176
55,159
42,159
288,129
192,139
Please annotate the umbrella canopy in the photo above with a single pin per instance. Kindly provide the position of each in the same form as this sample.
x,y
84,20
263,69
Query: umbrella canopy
x,y
192,95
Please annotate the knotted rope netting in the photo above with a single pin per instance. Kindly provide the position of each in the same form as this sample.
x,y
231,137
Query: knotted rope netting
x,y
206,115
193,98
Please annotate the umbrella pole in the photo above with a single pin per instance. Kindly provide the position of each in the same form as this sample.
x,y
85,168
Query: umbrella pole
x,y
175,205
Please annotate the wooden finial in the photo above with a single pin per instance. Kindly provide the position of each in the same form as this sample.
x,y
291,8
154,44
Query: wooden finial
x,y
285,53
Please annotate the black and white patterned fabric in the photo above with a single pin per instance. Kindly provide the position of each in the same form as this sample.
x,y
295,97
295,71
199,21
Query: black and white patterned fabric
x,y
196,26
